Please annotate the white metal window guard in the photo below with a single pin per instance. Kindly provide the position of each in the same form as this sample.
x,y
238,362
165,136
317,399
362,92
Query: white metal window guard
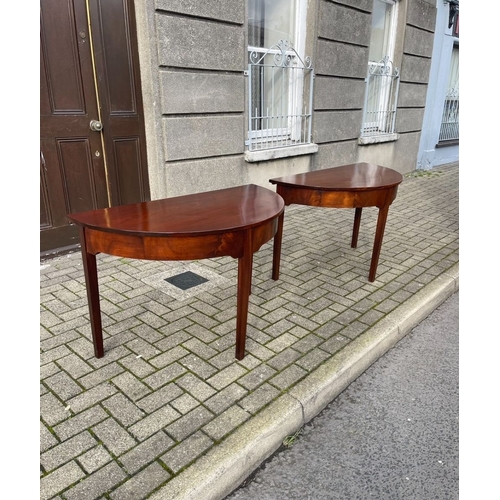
x,y
450,121
381,98
280,96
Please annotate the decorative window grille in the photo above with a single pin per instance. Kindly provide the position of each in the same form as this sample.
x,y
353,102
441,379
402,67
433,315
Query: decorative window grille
x,y
381,98
450,120
280,96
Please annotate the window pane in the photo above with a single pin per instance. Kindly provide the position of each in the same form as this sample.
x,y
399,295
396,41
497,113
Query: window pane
x,y
381,29
270,21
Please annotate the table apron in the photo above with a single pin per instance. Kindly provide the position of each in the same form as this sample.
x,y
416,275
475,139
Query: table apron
x,y
177,247
317,197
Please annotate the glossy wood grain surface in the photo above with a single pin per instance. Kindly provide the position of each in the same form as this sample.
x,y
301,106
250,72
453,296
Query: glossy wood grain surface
x,y
353,177
212,212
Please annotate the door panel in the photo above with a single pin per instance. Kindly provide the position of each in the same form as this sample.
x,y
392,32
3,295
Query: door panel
x,y
117,64
83,169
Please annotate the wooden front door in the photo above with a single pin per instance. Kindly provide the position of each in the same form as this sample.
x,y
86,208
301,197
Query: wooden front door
x,y
92,140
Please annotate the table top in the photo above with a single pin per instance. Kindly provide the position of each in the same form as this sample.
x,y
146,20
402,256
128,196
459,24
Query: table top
x,y
353,177
211,212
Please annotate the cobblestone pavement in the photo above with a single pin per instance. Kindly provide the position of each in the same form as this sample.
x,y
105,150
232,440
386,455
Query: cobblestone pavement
x,y
168,392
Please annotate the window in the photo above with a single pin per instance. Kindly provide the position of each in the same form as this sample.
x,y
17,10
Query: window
x,y
280,81
382,81
450,119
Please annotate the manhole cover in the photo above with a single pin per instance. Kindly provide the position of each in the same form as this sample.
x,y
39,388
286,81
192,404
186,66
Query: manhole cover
x,y
186,280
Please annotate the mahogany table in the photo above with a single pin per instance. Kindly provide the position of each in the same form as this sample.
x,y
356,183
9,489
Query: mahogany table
x,y
232,222
356,186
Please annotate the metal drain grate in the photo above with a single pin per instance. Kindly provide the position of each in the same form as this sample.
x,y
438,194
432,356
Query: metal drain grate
x,y
186,280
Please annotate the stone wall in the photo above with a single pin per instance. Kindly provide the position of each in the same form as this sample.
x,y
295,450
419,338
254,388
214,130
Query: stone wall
x,y
193,57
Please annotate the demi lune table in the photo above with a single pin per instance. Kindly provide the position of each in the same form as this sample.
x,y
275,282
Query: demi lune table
x,y
232,222
356,186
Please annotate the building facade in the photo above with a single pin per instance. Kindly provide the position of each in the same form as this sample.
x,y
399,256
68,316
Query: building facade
x,y
148,99
212,122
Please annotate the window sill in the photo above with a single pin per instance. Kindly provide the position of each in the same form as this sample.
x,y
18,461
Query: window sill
x,y
444,144
284,152
375,139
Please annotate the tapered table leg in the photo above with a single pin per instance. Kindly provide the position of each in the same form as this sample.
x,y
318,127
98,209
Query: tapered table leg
x,y
244,287
355,230
90,270
379,235
278,238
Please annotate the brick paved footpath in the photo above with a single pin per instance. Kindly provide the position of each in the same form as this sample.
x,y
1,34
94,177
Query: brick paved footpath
x,y
169,393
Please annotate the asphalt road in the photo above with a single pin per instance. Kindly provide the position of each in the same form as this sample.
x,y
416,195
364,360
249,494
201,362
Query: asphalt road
x,y
392,434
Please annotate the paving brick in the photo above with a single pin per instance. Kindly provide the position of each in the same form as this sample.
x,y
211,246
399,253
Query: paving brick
x,y
79,422
113,436
259,398
56,306
91,397
47,439
226,422
189,423
123,410
67,450
173,340
54,354
49,319
328,330
312,359
74,366
370,317
84,348
282,342
259,336
111,355
67,329
48,369
225,398
288,377
137,366
63,385
155,421
387,306
334,344
307,343
226,357
147,333
52,410
100,375
196,387
60,479
259,351
142,483
131,386
97,484
273,318
169,357
164,376
196,365
284,358
184,403
257,376
44,333
146,452
226,376
185,452
159,398
199,348
94,459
